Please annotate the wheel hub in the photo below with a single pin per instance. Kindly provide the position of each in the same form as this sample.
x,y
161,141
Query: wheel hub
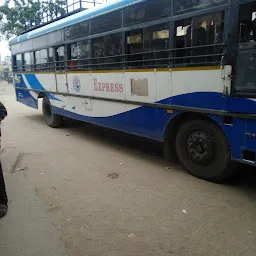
x,y
201,148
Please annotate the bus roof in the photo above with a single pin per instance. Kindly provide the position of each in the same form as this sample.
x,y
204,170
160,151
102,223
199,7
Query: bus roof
x,y
70,20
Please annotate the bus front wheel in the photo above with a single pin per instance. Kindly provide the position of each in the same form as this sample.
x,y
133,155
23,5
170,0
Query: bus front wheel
x,y
51,119
203,150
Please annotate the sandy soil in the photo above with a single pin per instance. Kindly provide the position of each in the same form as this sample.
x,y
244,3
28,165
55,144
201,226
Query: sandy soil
x,y
110,194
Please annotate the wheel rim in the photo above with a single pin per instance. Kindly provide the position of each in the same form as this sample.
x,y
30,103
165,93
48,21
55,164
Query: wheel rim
x,y
201,148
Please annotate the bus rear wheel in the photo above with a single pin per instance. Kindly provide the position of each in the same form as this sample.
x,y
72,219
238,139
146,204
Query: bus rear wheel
x,y
51,119
203,150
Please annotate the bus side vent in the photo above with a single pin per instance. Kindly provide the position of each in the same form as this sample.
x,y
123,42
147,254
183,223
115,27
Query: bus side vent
x,y
249,155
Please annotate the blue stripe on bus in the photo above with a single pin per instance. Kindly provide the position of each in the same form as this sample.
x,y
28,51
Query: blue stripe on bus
x,y
26,98
137,121
213,100
36,85
151,123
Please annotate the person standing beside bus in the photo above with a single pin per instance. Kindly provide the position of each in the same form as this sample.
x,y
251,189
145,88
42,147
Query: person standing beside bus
x,y
3,195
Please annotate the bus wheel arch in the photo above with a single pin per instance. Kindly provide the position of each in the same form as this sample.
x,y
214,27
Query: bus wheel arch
x,y
53,120
171,131
181,129
41,95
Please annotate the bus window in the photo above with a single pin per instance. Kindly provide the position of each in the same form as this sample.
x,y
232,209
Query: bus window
x,y
72,56
247,22
78,54
106,22
146,11
156,43
246,56
107,50
78,30
197,39
37,60
14,63
113,49
83,54
60,58
54,37
41,58
44,59
50,60
134,48
97,51
19,62
181,6
28,61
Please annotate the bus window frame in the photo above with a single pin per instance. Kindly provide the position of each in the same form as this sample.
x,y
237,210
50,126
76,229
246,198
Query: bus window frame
x,y
144,20
20,67
171,19
29,67
198,8
59,68
194,48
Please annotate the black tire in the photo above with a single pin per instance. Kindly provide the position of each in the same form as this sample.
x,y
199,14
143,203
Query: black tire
x,y
51,119
204,151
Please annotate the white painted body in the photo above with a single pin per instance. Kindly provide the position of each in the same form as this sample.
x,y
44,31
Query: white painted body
x,y
161,85
125,100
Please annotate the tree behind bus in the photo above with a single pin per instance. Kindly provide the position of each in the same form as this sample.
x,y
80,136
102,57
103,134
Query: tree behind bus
x,y
18,16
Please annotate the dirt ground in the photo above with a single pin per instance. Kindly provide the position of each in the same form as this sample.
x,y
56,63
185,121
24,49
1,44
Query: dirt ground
x,y
111,194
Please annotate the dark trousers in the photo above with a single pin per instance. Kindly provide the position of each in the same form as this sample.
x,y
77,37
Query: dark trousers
x,y
3,195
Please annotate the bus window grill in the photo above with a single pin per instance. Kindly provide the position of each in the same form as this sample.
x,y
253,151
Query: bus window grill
x,y
126,61
45,18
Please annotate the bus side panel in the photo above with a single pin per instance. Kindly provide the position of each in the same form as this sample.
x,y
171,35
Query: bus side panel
x,y
143,119
235,133
80,83
145,86
241,135
250,137
206,86
131,86
188,90
41,81
26,97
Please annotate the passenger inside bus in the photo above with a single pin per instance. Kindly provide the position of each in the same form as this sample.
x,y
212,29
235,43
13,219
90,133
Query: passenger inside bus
x,y
247,23
245,30
246,60
72,56
196,34
60,58
197,39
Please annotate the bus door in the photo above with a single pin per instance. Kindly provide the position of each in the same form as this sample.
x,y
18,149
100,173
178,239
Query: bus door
x,y
60,70
245,71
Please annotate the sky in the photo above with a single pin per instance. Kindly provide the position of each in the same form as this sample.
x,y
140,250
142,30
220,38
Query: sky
x,y
4,48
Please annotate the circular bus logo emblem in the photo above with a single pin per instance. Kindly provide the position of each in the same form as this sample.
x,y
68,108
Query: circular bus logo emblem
x,y
76,84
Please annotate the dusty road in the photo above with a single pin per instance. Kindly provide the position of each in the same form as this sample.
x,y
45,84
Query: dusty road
x,y
110,194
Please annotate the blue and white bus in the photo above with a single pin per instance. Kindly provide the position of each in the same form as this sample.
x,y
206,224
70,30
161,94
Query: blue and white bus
x,y
182,72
